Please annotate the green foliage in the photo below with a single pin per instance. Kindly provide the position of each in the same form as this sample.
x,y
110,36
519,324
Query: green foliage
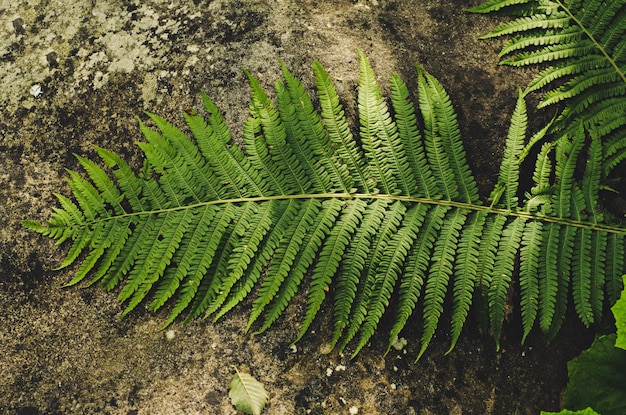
x,y
247,394
619,311
390,217
597,378
581,47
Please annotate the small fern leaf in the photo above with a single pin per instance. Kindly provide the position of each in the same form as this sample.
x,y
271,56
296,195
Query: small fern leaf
x,y
367,291
330,256
614,262
107,242
388,270
137,246
379,135
465,273
425,184
439,274
502,273
281,217
581,277
417,269
320,226
150,266
528,23
448,129
508,178
565,254
353,265
339,134
194,260
253,229
247,394
597,273
284,257
495,5
548,276
528,274
276,156
333,175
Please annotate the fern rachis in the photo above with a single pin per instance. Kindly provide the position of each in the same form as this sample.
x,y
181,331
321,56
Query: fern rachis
x,y
392,218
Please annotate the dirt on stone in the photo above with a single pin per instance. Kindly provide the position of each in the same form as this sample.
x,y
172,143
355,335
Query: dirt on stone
x,y
78,74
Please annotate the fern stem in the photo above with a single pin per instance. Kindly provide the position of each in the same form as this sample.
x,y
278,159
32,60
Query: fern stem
x,y
392,198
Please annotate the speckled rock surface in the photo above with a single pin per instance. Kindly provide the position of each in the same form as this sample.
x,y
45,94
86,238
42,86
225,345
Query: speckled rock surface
x,y
74,74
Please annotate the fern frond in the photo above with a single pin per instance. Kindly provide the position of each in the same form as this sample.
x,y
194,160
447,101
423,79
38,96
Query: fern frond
x,y
284,256
320,226
582,42
379,136
412,142
392,217
248,236
614,262
333,117
270,138
528,23
315,139
597,273
502,273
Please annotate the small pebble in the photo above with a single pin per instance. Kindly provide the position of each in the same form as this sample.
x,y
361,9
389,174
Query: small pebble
x,y
36,90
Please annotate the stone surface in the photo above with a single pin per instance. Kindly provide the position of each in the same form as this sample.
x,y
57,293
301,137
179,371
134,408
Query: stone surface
x,y
74,74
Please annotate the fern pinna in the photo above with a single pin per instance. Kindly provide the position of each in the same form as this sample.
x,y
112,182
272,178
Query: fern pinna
x,y
392,216
582,47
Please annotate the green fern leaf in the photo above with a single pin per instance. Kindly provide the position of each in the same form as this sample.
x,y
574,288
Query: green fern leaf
x,y
388,271
354,264
339,133
406,121
528,275
495,5
330,257
466,273
379,136
508,178
614,262
447,128
284,257
362,305
391,217
321,225
582,42
416,269
502,273
439,274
